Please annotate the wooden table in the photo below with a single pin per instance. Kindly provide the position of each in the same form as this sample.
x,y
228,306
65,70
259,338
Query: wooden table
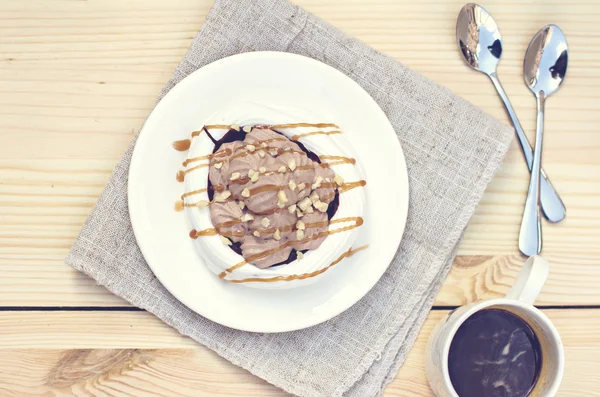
x,y
77,78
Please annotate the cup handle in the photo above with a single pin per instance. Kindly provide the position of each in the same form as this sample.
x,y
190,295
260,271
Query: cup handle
x,y
531,280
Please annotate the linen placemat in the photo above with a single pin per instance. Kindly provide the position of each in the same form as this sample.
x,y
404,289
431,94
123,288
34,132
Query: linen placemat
x,y
452,151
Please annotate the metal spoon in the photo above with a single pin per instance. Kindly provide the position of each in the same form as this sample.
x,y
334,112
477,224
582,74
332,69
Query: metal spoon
x,y
544,70
480,44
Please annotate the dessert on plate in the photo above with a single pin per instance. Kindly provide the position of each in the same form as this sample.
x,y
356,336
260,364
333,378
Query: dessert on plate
x,y
271,205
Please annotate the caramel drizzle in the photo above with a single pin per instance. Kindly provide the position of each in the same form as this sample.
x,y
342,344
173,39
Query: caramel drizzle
x,y
296,125
302,276
182,145
243,151
181,173
338,160
185,144
220,153
210,127
292,227
304,135
193,192
265,188
213,232
267,141
351,185
217,229
228,152
358,221
179,205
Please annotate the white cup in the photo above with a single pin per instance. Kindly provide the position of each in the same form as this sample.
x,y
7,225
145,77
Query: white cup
x,y
519,302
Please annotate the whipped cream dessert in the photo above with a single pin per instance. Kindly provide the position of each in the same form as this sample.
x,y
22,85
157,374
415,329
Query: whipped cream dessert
x,y
281,196
266,207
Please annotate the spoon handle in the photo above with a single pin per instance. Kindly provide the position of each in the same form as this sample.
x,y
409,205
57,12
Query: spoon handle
x,y
552,206
530,235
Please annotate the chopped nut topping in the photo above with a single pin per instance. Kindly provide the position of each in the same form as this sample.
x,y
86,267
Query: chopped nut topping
x,y
264,145
317,182
299,234
277,235
321,206
292,185
262,170
250,148
314,197
223,196
255,177
225,240
338,180
247,128
299,213
292,208
299,255
234,127
328,180
235,176
302,186
247,218
282,169
256,233
305,204
309,210
281,196
242,205
246,192
261,153
300,225
265,222
218,165
292,164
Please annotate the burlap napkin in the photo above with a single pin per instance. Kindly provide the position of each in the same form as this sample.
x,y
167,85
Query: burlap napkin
x,y
452,151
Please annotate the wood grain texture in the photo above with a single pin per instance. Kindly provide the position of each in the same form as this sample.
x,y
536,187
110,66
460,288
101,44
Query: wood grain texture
x,y
77,79
134,354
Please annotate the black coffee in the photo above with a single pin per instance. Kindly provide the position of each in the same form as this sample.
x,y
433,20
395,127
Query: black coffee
x,y
494,354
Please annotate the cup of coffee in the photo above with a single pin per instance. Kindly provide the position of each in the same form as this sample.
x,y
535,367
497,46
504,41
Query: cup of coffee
x,y
500,347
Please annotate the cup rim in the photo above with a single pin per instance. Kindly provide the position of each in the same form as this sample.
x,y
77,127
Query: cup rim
x,y
473,308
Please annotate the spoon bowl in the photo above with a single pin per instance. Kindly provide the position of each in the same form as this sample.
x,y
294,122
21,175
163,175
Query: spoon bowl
x,y
546,60
478,38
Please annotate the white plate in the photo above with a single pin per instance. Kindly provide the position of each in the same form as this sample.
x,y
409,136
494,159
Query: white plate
x,y
287,81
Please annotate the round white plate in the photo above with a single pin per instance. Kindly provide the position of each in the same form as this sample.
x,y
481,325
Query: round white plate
x,y
286,81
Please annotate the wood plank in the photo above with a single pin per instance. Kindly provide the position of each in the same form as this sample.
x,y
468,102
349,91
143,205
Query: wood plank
x,y
134,354
77,80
